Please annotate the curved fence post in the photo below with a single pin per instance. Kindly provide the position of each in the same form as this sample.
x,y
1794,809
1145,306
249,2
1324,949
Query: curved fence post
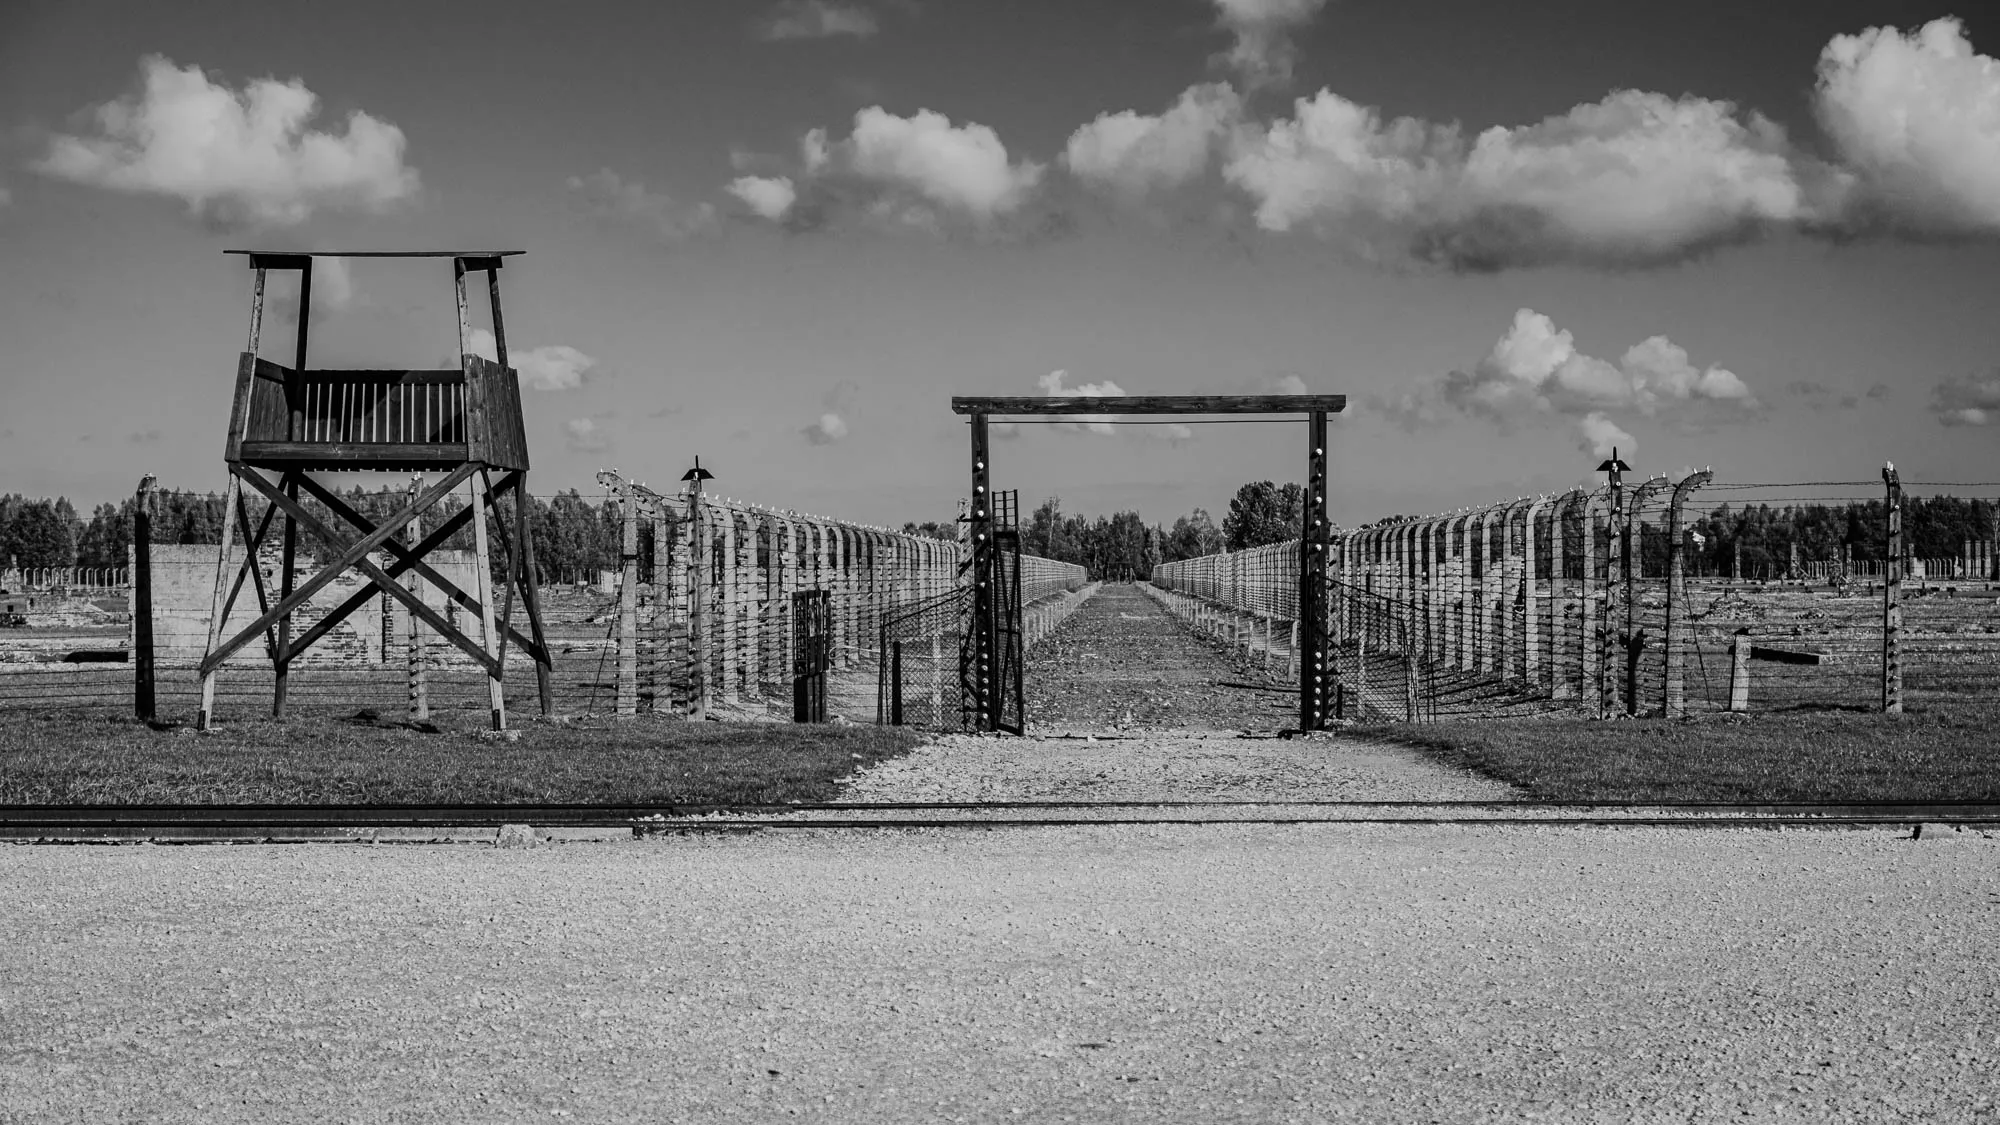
x,y
1674,701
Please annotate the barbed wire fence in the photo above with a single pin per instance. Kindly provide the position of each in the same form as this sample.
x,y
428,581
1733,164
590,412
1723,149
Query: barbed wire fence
x,y
621,640
1655,598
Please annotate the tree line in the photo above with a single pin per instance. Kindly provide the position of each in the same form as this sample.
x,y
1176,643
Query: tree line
x,y
576,537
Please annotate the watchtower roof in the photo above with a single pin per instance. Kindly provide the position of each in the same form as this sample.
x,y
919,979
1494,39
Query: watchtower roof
x,y
380,253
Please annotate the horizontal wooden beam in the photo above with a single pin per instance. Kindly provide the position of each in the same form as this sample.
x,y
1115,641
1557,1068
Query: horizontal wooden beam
x,y
379,253
323,454
342,376
1153,404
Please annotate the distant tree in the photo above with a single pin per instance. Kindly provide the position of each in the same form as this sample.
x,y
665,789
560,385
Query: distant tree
x,y
1193,535
38,535
1043,533
105,538
1261,513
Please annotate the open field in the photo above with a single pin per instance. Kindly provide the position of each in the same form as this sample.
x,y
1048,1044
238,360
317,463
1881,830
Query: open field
x,y
1944,749
55,757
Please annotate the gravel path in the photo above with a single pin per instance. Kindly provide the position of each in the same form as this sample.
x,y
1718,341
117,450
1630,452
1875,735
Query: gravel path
x,y
1122,661
1166,765
1214,974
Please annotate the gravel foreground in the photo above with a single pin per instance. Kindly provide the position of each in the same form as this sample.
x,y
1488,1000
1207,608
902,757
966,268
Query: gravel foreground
x,y
1221,973
1166,766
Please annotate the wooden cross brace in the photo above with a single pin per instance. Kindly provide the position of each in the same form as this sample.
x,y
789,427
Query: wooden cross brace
x,y
355,556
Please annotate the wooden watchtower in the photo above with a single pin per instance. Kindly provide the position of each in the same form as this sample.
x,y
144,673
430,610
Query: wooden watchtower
x,y
289,423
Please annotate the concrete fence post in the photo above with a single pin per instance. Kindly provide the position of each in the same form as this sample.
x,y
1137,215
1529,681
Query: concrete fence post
x,y
1560,653
727,594
1892,596
1674,701
661,653
1593,594
1635,637
628,601
1739,671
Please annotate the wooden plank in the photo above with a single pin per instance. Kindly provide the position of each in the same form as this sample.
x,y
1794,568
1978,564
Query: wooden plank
x,y
239,409
499,393
1785,655
376,454
1153,404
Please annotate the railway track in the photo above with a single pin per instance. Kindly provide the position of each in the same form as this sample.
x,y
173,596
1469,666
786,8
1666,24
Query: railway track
x,y
363,823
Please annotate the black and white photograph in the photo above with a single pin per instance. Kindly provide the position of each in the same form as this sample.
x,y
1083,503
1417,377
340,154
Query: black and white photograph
x,y
924,561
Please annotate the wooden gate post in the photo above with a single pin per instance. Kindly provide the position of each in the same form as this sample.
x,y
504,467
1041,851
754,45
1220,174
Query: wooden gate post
x,y
143,707
985,643
1892,597
699,571
1313,672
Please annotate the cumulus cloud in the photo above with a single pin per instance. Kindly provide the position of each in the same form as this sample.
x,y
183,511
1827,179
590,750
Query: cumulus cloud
x,y
585,436
959,167
1286,385
769,197
919,172
826,430
1053,387
1916,119
1599,436
552,367
235,157
1535,370
1635,179
1263,53
1970,400
816,19
607,195
1135,154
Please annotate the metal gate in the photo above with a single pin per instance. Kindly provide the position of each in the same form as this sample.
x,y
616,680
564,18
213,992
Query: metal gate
x,y
990,663
812,654
921,681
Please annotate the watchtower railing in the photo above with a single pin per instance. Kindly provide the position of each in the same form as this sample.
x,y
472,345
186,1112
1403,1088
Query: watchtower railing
x,y
382,418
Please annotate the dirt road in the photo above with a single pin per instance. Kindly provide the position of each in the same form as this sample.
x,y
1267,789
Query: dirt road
x,y
1122,661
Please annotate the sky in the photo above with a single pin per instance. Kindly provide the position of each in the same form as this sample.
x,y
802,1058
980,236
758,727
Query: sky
x,y
781,234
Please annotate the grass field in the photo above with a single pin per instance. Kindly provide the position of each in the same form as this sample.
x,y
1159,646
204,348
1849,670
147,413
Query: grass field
x,y
63,757
1942,751
1932,752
